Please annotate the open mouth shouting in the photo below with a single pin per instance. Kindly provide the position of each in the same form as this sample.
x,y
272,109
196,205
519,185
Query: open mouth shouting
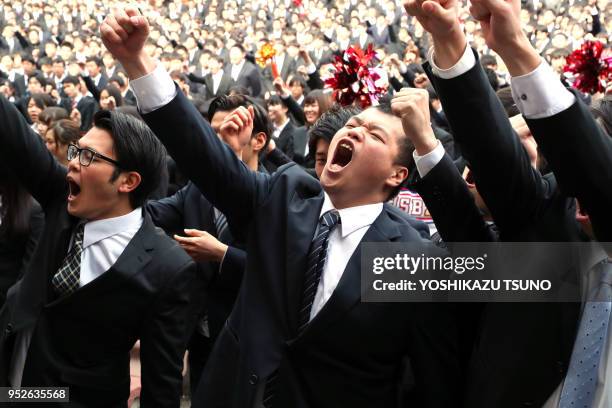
x,y
342,155
74,189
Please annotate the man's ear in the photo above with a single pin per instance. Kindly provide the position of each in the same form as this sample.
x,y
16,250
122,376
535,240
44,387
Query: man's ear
x,y
258,141
129,181
397,177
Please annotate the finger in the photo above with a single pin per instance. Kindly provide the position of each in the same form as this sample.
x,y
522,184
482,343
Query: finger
x,y
243,113
112,22
139,21
109,34
195,232
251,113
238,121
493,6
229,126
434,9
183,240
478,11
124,21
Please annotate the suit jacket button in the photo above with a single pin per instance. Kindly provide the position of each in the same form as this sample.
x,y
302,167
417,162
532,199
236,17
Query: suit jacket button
x,y
9,329
253,379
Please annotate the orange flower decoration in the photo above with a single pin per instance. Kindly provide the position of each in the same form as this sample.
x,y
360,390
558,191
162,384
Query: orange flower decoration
x,y
265,53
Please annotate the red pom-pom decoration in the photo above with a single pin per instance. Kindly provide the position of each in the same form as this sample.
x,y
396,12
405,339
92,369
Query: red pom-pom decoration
x,y
355,78
589,69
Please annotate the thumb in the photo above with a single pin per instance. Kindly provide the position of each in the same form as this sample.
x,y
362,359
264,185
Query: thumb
x,y
434,9
251,111
194,232
494,6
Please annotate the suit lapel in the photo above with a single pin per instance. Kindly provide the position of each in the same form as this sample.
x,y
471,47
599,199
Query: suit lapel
x,y
349,291
302,221
133,259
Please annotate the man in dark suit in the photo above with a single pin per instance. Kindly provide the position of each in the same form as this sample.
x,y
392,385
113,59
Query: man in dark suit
x,y
102,276
95,68
289,342
217,81
76,99
243,72
523,349
283,128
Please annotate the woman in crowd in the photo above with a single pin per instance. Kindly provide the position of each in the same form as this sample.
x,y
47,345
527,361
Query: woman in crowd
x,y
49,116
21,222
110,98
37,103
59,136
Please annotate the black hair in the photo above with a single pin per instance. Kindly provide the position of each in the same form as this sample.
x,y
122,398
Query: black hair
x,y
275,100
27,57
261,122
117,79
96,60
115,93
297,81
505,96
239,90
51,114
487,60
71,79
16,205
492,77
326,127
65,131
137,149
59,60
41,100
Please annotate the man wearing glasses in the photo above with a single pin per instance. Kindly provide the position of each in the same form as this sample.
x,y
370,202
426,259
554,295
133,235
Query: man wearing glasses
x,y
102,276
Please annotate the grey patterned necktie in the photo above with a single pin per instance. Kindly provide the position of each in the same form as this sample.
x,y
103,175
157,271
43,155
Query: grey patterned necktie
x,y
582,376
67,278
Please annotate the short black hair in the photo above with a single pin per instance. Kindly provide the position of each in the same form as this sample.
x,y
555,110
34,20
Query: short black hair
x,y
96,60
137,149
117,79
487,60
228,103
71,79
505,97
115,93
492,77
275,100
326,127
59,60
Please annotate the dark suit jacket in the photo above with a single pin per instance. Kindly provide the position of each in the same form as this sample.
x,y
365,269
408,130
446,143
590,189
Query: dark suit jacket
x,y
226,83
249,77
285,140
88,107
83,340
188,208
16,251
522,349
580,154
326,365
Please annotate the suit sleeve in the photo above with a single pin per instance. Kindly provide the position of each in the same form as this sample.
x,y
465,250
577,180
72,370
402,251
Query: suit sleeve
x,y
210,164
91,87
513,190
168,213
295,110
25,154
451,204
315,81
164,338
580,155
232,269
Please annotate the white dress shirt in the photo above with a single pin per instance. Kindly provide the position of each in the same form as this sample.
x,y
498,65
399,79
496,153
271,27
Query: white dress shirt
x,y
279,129
343,240
236,70
103,242
216,78
540,94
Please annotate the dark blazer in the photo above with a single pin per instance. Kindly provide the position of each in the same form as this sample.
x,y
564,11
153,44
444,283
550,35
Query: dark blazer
x,y
88,107
188,208
249,77
83,340
207,80
580,154
285,140
16,251
326,365
522,350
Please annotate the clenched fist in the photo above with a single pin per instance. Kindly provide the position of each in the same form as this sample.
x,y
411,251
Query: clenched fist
x,y
411,105
237,128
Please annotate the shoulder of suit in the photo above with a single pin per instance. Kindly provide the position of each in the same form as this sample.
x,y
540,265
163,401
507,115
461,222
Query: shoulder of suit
x,y
166,253
292,177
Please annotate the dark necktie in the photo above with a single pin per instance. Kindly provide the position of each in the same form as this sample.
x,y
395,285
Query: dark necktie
x,y
316,263
221,226
67,278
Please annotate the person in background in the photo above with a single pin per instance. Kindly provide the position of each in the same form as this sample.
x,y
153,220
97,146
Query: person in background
x,y
60,135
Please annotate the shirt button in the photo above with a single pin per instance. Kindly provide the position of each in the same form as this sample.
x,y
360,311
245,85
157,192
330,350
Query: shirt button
x,y
524,97
253,379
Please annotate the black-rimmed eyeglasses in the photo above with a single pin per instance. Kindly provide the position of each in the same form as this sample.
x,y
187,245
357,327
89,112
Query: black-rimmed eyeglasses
x,y
87,155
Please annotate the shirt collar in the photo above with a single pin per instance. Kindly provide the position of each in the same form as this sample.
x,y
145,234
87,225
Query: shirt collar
x,y
281,127
353,218
96,231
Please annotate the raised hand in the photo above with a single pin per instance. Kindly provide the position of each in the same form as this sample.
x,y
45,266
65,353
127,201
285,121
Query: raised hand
x,y
280,87
501,28
124,34
411,105
440,19
237,128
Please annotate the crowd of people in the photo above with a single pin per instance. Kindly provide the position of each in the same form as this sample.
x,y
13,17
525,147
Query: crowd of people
x,y
163,191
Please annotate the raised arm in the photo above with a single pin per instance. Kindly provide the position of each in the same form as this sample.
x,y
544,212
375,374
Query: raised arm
x,y
439,183
217,172
511,187
24,152
578,151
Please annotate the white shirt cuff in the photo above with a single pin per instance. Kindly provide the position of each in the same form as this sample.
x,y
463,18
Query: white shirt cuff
x,y
540,93
425,163
153,90
311,69
465,63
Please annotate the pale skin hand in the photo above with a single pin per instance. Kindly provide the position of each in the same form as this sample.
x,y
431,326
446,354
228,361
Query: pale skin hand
x,y
201,246
124,34
411,105
237,128
501,28
280,87
439,18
